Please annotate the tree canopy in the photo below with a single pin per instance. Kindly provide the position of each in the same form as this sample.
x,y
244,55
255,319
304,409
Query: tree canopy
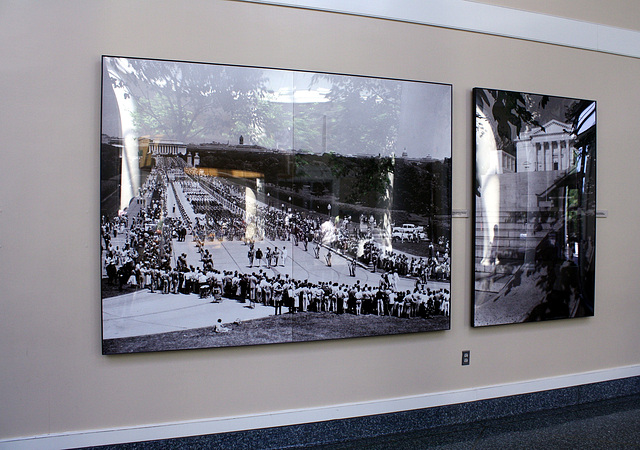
x,y
194,102
365,114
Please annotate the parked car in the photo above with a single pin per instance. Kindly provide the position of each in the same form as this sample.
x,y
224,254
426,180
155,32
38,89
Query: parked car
x,y
409,232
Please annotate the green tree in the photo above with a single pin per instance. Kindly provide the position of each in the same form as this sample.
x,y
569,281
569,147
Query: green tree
x,y
364,114
193,102
364,180
511,111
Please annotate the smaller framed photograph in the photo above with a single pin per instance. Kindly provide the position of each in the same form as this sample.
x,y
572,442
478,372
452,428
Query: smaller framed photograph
x,y
535,207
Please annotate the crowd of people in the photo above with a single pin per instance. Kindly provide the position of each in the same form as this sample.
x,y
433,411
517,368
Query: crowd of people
x,y
434,266
226,217
146,259
280,291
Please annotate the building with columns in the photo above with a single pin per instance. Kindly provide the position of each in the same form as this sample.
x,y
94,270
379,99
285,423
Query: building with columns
x,y
546,148
166,147
506,161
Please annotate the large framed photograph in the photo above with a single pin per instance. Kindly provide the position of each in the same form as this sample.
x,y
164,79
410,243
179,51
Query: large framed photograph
x,y
244,205
535,207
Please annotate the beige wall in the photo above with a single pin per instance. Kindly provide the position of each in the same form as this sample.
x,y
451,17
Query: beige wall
x,y
52,375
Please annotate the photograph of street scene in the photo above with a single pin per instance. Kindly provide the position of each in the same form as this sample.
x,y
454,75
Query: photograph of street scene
x,y
245,206
535,207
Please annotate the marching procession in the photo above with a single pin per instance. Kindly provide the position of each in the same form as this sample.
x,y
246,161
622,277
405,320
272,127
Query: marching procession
x,y
140,252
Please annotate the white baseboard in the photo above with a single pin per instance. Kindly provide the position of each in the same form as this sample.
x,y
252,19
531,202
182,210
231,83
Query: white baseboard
x,y
309,415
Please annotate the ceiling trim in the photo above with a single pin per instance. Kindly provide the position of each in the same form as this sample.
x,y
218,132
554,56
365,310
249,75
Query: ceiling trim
x,y
487,19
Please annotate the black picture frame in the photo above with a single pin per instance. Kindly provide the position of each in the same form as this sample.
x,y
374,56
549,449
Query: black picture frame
x,y
245,205
534,207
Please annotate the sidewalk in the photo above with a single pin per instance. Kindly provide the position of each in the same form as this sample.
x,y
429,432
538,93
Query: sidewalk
x,y
143,312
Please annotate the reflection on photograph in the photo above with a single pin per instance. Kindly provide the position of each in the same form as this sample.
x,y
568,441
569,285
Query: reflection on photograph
x,y
534,207
245,206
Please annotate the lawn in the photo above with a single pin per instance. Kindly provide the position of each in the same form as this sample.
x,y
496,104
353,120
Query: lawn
x,y
299,327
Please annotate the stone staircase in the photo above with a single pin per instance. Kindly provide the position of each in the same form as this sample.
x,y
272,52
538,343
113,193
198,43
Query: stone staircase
x,y
514,246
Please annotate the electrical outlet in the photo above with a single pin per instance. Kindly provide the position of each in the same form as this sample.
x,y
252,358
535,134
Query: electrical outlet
x,y
466,355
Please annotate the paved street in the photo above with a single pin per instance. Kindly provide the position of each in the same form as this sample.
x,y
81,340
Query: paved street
x,y
143,312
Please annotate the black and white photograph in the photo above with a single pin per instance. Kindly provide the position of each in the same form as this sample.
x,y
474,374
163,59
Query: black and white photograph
x,y
246,206
535,207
